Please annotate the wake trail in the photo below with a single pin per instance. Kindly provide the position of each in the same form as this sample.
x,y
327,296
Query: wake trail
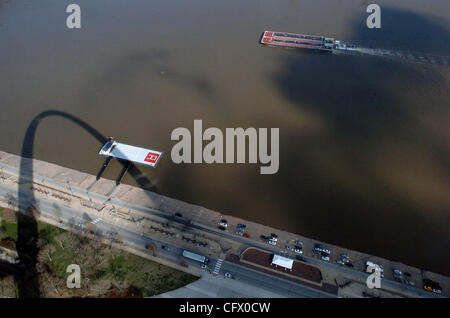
x,y
407,56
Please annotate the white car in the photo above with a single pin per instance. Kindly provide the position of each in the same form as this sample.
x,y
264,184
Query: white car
x,y
272,242
369,263
228,275
325,258
327,251
340,261
204,266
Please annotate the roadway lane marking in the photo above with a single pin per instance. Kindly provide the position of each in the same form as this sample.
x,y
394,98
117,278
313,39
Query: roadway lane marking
x,y
96,221
218,266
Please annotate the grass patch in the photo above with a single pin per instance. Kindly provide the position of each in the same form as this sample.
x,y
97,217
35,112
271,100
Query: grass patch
x,y
47,232
105,271
118,267
8,230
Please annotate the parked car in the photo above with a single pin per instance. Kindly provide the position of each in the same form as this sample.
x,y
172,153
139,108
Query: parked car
x,y
317,248
298,249
297,242
204,266
432,286
272,242
397,272
273,237
246,235
223,223
228,275
349,265
241,226
370,263
289,248
344,256
240,233
327,251
340,261
325,258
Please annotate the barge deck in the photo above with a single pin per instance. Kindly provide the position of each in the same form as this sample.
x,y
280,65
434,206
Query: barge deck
x,y
303,41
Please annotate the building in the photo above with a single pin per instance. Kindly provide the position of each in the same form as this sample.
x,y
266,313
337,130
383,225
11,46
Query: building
x,y
284,262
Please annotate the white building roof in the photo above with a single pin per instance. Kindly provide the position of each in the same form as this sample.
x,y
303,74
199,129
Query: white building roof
x,y
282,261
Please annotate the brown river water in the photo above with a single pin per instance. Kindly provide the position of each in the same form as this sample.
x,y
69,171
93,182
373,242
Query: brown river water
x,y
364,140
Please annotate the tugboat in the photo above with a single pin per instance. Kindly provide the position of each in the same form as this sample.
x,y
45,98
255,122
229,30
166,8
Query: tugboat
x,y
338,45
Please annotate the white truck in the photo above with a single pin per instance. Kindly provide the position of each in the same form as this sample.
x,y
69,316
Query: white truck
x,y
195,257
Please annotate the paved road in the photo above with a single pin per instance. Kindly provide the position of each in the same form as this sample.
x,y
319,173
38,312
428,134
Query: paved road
x,y
136,239
388,285
255,283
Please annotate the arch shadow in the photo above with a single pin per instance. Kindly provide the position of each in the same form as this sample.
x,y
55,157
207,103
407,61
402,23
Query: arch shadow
x,y
26,277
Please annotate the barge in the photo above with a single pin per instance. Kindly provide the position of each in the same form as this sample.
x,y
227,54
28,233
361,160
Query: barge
x,y
304,41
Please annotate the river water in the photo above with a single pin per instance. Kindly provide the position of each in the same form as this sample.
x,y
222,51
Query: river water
x,y
364,140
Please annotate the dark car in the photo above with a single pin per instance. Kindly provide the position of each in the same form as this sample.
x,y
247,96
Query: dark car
x,y
349,265
318,248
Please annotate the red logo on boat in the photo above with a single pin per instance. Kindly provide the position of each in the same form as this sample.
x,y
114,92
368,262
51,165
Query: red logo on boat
x,y
152,157
268,33
267,40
